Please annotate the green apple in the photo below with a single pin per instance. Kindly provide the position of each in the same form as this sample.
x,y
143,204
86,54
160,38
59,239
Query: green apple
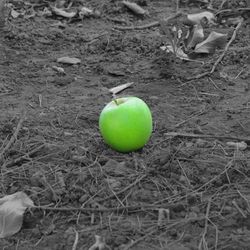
x,y
126,124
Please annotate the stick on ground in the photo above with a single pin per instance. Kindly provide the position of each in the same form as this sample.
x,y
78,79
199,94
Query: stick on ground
x,y
226,48
233,138
146,26
13,137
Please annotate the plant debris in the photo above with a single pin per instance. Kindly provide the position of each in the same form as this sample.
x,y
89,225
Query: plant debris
x,y
187,188
68,60
12,208
213,41
138,10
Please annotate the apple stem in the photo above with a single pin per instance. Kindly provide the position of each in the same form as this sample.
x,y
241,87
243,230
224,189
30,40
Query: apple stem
x,y
115,100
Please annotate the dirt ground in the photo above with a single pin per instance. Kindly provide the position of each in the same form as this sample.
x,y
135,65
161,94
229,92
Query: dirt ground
x,y
178,192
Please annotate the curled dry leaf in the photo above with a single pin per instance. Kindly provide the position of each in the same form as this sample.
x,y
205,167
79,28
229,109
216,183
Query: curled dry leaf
x,y
63,13
120,88
68,60
213,41
196,35
59,70
199,18
138,10
12,208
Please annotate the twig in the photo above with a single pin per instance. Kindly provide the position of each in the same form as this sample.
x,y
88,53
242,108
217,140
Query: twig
x,y
198,76
149,25
177,5
152,207
123,190
222,4
219,137
189,118
93,38
133,243
76,240
146,26
112,209
216,234
226,48
25,157
212,81
203,244
118,20
239,209
13,137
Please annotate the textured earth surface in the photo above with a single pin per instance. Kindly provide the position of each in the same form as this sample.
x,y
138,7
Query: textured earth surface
x,y
178,192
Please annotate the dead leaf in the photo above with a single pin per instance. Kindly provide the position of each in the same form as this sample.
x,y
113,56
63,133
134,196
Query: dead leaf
x,y
59,70
120,88
60,179
46,12
85,12
213,41
12,208
14,13
68,60
195,36
178,52
163,216
199,18
63,13
238,145
135,8
113,183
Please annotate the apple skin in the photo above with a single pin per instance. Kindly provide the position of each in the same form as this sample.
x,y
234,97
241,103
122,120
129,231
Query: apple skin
x,y
126,124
